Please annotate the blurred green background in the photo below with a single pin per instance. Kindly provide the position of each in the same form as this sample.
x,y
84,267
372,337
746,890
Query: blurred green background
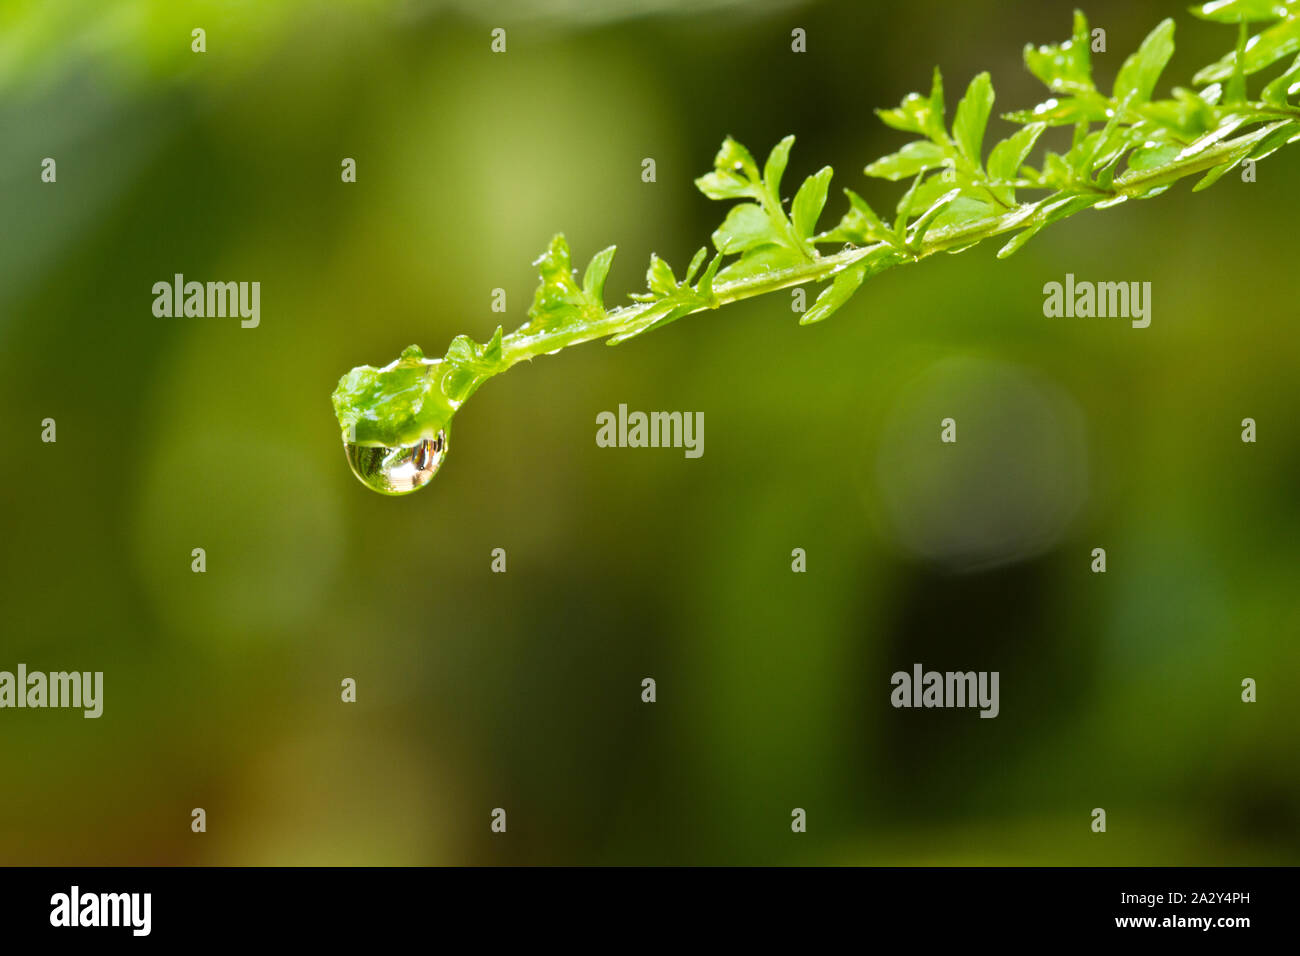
x,y
522,691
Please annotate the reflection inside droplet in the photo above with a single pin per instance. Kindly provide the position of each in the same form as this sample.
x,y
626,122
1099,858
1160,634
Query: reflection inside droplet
x,y
397,471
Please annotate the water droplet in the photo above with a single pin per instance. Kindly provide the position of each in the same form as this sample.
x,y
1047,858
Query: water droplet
x,y
397,471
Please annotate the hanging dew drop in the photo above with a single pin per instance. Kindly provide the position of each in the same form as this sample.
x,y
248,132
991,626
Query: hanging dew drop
x,y
397,471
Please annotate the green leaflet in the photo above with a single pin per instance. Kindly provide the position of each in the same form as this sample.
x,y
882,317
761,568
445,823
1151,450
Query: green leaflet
x,y
913,158
1049,211
670,300
593,280
393,405
1263,50
972,118
845,283
1283,87
1007,156
1213,176
808,202
746,226
1064,67
835,295
759,262
964,211
559,300
1087,108
763,222
1137,77
1235,11
774,168
1152,157
918,114
860,225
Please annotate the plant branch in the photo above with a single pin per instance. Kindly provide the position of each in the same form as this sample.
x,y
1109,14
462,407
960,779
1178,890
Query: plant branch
x,y
959,196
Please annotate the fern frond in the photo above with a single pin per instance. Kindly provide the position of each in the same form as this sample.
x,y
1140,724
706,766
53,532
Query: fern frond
x,y
1126,144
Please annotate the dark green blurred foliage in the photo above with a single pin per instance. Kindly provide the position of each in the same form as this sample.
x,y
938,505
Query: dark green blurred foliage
x,y
522,690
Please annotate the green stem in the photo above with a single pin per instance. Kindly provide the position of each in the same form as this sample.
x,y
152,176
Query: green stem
x,y
520,346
